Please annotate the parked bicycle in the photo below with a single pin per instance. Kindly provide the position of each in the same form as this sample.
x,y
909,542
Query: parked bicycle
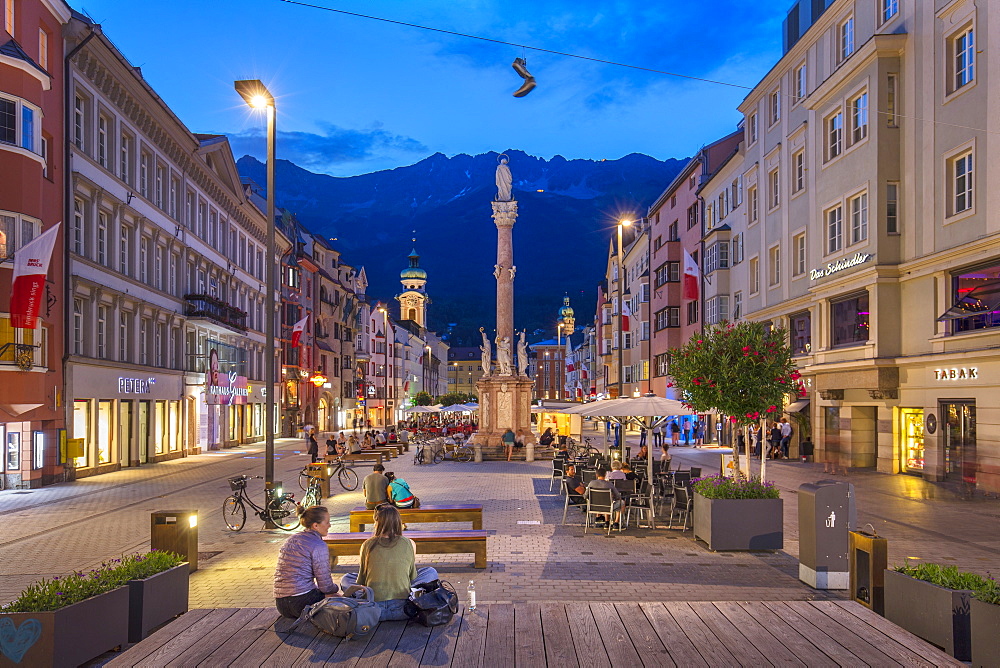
x,y
313,495
428,453
458,452
581,450
281,509
346,476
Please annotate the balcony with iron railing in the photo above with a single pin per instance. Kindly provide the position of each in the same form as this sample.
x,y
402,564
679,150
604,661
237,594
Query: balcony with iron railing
x,y
216,310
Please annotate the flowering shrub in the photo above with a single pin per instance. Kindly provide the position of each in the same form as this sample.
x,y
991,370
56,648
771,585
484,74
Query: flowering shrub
x,y
744,371
719,487
985,589
56,593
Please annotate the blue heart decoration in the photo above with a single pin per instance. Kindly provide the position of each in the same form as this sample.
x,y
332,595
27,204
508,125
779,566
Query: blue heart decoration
x,y
15,642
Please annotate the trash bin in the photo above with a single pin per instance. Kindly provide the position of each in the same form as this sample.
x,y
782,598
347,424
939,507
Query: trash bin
x,y
321,471
868,558
826,515
175,531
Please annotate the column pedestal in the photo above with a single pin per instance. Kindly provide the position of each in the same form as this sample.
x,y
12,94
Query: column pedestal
x,y
504,402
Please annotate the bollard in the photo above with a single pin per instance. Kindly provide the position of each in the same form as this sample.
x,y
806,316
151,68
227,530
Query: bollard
x,y
175,531
478,449
529,452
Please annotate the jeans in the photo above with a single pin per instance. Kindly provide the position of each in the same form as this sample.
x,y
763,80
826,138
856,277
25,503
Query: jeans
x,y
392,610
292,606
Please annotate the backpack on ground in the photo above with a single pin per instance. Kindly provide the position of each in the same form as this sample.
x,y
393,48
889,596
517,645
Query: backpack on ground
x,y
344,616
433,604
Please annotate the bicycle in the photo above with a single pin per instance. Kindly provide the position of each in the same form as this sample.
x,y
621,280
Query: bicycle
x,y
581,450
313,495
281,510
436,455
458,452
346,476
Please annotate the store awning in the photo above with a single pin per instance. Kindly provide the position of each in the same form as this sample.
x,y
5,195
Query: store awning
x,y
323,345
980,300
797,406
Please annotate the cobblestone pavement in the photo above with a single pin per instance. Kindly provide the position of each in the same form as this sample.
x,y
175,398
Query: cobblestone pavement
x,y
532,556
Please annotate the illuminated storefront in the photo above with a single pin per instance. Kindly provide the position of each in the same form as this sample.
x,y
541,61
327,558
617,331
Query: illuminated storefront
x,y
911,440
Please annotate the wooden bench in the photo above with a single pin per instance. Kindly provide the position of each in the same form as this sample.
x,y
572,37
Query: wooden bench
x,y
388,451
359,457
361,516
428,542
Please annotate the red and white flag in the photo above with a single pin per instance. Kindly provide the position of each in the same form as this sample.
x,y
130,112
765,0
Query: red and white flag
x,y
31,266
691,277
626,314
569,365
297,330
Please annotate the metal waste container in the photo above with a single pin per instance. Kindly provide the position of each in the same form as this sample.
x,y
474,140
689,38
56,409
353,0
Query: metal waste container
x,y
175,531
869,557
827,513
321,471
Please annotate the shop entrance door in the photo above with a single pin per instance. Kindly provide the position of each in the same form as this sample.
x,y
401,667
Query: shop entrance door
x,y
125,433
960,441
143,432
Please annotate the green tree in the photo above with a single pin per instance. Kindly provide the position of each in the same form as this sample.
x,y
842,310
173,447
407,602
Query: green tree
x,y
422,399
743,371
454,398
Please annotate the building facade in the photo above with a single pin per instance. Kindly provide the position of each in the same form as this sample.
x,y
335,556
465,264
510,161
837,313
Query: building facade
x,y
32,201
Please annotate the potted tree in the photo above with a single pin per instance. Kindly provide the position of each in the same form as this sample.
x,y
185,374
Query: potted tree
x,y
70,620
738,514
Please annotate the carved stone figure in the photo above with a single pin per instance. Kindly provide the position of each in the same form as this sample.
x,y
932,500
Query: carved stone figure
x,y
496,271
504,180
487,352
513,270
503,356
522,355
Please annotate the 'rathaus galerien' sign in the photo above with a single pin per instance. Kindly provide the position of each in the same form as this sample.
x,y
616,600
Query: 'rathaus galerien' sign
x,y
839,265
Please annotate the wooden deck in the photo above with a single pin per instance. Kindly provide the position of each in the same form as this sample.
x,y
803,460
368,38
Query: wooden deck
x,y
794,633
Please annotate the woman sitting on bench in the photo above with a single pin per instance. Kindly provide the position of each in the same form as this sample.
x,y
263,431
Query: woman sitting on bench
x,y
388,565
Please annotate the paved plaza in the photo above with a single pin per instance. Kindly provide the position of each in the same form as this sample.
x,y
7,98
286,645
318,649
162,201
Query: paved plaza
x,y
532,557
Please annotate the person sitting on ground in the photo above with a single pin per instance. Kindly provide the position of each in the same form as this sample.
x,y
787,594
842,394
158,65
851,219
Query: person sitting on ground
x,y
520,438
616,497
616,471
302,576
375,486
546,438
575,487
388,565
508,441
399,492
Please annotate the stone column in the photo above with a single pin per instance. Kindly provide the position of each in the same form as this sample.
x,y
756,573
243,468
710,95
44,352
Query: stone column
x,y
505,214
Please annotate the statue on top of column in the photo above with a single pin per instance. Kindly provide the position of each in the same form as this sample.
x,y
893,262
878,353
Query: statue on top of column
x,y
505,181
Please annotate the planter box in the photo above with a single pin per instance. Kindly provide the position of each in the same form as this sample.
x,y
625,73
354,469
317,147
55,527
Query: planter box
x,y
156,600
985,638
67,637
938,615
739,524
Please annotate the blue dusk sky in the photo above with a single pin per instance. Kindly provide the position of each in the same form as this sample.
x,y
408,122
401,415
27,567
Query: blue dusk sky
x,y
357,95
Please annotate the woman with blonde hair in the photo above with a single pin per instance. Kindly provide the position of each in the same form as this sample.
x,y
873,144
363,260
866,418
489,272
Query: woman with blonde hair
x,y
388,565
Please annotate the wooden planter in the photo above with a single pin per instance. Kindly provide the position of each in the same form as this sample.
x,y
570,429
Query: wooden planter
x,y
938,615
739,524
66,637
156,600
985,637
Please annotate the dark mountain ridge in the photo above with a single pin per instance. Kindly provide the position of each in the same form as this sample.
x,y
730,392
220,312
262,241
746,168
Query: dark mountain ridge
x,y
567,212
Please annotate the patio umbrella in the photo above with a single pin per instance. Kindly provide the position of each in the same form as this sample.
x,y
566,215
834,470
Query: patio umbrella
x,y
455,408
422,409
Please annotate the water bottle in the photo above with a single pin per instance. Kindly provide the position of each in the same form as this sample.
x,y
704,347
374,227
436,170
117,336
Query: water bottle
x,y
472,596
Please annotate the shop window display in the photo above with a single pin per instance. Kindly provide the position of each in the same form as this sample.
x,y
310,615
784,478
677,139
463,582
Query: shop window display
x,y
912,439
976,296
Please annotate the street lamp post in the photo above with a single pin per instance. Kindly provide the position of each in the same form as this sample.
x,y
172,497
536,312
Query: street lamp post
x,y
622,224
255,93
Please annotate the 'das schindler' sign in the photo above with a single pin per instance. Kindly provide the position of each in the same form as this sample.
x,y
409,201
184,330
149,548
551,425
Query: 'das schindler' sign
x,y
839,265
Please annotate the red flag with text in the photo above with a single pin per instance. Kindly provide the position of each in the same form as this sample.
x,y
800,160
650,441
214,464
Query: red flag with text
x,y
626,313
31,266
691,276
297,330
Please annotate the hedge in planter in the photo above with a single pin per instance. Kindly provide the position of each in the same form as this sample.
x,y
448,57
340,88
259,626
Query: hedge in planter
x,y
68,621
738,514
985,620
933,602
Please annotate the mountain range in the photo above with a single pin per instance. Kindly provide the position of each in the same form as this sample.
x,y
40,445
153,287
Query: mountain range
x,y
567,210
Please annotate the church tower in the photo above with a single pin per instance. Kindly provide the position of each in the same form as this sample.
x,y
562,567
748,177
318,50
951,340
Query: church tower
x,y
413,299
566,316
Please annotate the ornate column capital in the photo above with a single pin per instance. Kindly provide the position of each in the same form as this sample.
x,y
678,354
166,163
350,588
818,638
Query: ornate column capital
x,y
505,213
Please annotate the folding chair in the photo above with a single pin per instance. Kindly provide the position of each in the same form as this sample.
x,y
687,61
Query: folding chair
x,y
572,499
558,471
588,476
600,502
642,503
682,506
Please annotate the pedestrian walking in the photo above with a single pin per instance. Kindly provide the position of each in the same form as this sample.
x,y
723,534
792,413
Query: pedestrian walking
x,y
786,437
675,433
699,433
686,426
658,436
312,447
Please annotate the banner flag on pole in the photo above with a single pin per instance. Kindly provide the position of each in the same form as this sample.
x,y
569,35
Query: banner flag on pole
x,y
31,266
691,274
297,330
626,312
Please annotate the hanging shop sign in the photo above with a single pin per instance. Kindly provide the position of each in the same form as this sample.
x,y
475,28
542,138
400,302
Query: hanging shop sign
x,y
224,388
840,265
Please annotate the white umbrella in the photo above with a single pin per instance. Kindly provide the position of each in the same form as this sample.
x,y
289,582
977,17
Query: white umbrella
x,y
455,408
422,409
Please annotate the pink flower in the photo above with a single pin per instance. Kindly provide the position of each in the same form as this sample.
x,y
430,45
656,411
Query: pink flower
x,y
733,419
771,409
746,348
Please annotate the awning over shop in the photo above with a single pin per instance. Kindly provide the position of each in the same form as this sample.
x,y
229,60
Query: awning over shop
x,y
797,406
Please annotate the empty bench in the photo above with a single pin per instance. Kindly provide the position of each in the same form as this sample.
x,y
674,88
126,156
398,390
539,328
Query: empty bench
x,y
428,542
358,457
361,516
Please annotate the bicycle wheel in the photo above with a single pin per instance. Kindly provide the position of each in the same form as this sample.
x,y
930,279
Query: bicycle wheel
x,y
348,479
463,454
234,513
438,456
312,496
283,514
304,479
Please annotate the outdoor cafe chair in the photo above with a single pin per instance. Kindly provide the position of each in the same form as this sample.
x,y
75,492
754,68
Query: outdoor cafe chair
x,y
557,472
682,506
695,472
682,478
642,503
626,487
600,502
572,499
588,475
